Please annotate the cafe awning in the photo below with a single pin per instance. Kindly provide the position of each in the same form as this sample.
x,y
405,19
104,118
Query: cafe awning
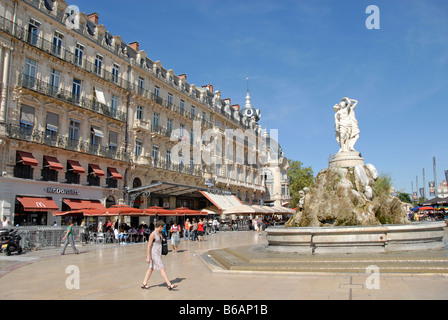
x,y
243,209
168,189
264,210
210,210
283,210
42,204
222,201
78,204
183,211
117,211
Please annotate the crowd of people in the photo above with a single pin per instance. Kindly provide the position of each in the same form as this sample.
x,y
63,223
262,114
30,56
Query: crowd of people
x,y
122,233
428,215
191,229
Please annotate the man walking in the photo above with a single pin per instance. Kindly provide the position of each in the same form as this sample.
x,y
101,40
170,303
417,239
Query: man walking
x,y
69,238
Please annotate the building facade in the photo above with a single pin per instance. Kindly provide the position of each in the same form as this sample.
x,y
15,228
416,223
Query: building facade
x,y
88,120
275,168
443,189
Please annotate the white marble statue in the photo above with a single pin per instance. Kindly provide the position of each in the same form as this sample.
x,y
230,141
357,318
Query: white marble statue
x,y
346,125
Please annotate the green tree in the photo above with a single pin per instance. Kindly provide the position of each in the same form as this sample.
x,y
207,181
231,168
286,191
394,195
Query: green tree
x,y
405,197
299,177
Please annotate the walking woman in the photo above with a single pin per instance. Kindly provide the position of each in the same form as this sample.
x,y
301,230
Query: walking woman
x,y
175,236
201,230
154,256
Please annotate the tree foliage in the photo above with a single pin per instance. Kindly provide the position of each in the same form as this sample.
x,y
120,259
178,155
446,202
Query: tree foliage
x,y
300,177
405,197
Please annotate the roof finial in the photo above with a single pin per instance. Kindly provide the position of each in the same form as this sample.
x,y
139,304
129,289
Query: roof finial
x,y
247,81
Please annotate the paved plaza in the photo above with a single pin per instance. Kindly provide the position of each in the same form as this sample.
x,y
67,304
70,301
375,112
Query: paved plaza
x,y
116,272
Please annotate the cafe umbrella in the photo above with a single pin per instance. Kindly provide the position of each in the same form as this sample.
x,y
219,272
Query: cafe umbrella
x,y
117,211
158,211
183,211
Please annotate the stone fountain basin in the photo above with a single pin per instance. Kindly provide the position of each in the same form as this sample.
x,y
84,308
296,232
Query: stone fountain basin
x,y
357,239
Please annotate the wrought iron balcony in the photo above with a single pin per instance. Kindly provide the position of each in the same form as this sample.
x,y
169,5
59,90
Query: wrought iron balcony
x,y
47,89
60,141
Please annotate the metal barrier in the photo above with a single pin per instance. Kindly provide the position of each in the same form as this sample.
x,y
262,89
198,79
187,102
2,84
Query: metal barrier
x,y
236,225
43,237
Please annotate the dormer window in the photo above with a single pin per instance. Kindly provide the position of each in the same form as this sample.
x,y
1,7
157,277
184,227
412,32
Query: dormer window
x,y
91,28
108,38
49,5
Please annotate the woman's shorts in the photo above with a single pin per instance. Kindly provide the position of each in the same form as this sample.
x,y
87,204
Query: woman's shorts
x,y
200,233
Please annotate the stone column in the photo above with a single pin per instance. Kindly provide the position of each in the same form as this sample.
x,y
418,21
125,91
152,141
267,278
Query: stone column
x,y
4,80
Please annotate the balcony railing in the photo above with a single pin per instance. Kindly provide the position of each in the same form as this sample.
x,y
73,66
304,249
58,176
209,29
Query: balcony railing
x,y
195,170
60,52
47,89
60,141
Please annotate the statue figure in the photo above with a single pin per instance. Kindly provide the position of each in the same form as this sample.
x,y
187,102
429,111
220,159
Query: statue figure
x,y
346,125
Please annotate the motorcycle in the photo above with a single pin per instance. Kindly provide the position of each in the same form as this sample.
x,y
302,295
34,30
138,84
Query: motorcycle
x,y
10,241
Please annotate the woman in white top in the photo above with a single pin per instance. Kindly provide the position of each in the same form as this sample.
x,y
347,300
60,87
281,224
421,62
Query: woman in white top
x,y
154,256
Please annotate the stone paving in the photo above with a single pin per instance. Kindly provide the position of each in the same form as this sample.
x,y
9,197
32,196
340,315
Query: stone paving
x,y
116,271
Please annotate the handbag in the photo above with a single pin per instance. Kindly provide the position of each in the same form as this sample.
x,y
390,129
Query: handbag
x,y
164,245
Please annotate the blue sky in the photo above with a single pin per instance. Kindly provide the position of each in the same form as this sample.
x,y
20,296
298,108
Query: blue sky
x,y
302,57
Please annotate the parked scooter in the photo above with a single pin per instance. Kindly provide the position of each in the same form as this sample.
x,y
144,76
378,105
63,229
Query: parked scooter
x,y
10,241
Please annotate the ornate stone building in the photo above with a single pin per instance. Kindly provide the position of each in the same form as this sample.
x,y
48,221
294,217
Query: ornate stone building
x,y
87,120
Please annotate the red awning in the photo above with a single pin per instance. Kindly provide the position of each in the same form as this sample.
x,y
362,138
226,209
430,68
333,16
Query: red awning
x,y
77,168
114,173
186,211
37,204
77,204
97,170
123,211
27,158
53,163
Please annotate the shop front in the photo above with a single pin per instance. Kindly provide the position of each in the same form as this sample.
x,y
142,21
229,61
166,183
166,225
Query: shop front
x,y
29,202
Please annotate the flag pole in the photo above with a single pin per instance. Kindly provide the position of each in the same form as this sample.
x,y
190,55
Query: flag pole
x,y
435,177
424,185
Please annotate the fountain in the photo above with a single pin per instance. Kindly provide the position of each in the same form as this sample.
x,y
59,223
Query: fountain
x,y
350,208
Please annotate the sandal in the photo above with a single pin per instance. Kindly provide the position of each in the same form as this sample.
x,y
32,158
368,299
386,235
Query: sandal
x,y
144,286
172,286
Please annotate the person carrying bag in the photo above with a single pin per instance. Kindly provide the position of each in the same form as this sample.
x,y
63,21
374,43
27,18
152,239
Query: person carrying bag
x,y
157,246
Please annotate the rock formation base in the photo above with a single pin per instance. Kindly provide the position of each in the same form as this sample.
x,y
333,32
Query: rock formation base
x,y
348,197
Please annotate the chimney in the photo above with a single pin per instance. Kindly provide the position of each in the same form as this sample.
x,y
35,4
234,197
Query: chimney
x,y
209,87
236,106
183,76
93,17
227,101
134,45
